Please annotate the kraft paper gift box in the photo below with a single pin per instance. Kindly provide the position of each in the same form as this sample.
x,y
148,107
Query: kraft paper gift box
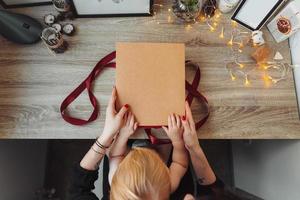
x,y
150,77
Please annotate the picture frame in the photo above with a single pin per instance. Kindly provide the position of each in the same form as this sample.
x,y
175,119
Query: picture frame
x,y
263,12
95,9
23,3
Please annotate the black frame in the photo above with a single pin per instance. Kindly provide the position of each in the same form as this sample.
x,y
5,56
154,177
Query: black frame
x,y
111,15
276,6
4,5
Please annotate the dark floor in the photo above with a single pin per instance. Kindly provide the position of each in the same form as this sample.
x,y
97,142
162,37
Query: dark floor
x,y
62,154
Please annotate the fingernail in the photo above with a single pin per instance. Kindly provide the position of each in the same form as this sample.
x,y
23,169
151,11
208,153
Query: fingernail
x,y
183,118
126,106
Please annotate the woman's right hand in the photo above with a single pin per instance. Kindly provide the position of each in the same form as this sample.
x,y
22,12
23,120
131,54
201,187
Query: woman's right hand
x,y
190,137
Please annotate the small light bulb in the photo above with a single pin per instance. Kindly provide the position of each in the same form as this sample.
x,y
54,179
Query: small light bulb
x,y
222,33
266,80
241,45
241,65
230,42
266,77
169,10
211,28
188,27
233,78
233,23
247,82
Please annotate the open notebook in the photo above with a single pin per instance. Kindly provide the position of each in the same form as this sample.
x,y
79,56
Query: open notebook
x,y
150,77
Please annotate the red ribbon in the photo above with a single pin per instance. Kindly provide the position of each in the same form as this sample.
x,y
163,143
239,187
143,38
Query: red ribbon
x,y
107,62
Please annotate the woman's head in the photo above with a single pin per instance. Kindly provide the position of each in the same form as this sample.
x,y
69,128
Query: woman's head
x,y
141,175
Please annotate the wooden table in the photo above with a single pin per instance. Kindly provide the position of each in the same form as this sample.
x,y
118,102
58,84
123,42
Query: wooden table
x,y
33,82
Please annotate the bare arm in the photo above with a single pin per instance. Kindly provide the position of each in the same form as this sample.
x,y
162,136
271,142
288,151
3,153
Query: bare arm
x,y
179,163
119,147
94,156
205,174
113,122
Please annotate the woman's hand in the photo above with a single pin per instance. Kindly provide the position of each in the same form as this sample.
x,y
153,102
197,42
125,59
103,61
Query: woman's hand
x,y
175,129
114,120
203,171
189,134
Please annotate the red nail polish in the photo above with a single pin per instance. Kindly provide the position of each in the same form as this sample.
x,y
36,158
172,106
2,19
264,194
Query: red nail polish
x,y
183,118
126,106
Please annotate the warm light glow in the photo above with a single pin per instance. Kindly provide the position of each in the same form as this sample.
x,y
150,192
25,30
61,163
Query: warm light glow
x,y
234,23
169,10
241,45
215,24
222,33
211,28
157,22
266,79
247,82
240,50
230,42
241,65
188,27
233,78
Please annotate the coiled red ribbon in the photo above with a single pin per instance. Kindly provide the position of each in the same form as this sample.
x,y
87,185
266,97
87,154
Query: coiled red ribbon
x,y
107,62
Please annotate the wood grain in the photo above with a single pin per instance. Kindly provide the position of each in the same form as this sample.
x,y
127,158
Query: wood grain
x,y
33,82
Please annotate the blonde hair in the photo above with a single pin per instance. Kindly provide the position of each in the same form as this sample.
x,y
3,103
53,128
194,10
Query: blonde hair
x,y
141,175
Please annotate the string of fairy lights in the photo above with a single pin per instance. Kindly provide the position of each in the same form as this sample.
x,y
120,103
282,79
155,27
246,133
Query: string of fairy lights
x,y
237,69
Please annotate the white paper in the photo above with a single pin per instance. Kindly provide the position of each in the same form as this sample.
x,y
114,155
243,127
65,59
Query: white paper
x,y
90,7
254,11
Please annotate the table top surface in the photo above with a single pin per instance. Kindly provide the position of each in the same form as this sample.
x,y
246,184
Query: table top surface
x,y
33,82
